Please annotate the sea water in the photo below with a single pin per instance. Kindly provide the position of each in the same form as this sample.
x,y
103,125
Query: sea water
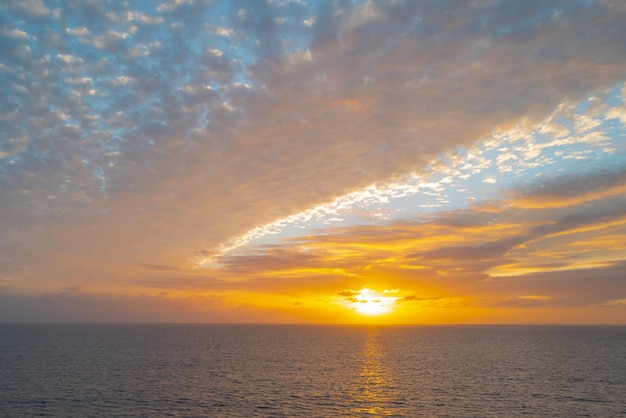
x,y
312,371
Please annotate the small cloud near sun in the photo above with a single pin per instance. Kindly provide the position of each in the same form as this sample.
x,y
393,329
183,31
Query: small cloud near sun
x,y
369,302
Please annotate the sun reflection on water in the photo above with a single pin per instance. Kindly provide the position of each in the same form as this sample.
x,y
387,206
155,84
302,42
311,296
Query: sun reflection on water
x,y
373,388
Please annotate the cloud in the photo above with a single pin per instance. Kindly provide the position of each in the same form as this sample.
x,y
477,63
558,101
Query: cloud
x,y
33,9
112,41
141,135
570,190
573,287
510,254
160,267
348,293
77,307
618,113
171,4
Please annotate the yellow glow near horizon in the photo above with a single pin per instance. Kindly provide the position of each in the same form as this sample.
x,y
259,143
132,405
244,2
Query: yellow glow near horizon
x,y
368,302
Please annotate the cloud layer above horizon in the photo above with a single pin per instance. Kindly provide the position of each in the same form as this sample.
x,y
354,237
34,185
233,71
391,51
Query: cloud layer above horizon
x,y
224,158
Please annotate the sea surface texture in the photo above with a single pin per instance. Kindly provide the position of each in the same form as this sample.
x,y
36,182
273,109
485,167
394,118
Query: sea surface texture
x,y
311,371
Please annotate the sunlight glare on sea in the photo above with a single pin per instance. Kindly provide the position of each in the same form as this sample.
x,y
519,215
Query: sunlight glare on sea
x,y
313,371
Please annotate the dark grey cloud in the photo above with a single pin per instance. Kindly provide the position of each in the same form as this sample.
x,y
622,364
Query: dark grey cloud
x,y
573,287
577,186
77,307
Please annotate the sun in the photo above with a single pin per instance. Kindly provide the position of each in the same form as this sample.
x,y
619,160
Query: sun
x,y
369,302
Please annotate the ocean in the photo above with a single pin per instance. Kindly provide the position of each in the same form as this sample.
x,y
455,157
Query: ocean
x,y
312,371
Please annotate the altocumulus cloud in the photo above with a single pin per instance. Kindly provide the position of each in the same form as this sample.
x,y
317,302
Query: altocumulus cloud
x,y
141,134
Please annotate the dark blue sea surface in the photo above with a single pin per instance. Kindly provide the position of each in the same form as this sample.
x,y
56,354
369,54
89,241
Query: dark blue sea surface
x,y
312,371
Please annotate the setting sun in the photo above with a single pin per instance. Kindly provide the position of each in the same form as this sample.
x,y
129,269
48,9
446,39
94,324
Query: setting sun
x,y
369,302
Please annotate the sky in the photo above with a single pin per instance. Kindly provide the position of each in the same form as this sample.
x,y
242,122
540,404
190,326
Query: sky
x,y
284,161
